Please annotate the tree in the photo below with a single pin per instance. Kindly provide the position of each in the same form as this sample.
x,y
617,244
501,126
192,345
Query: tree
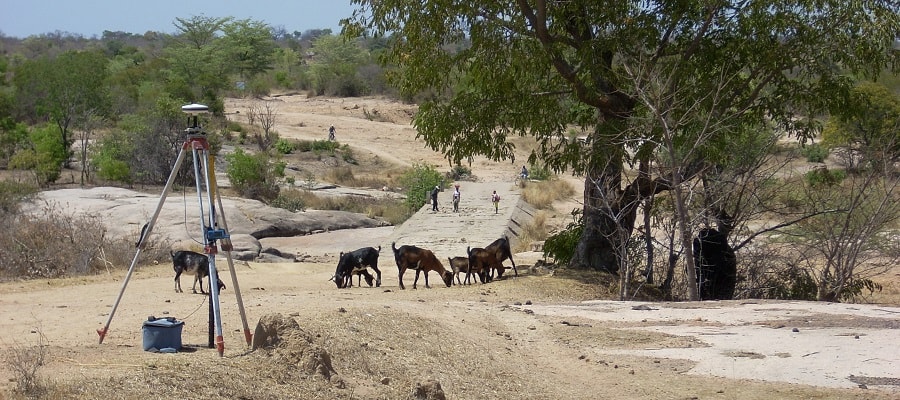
x,y
539,68
843,249
333,69
65,90
870,129
198,65
249,47
44,156
265,114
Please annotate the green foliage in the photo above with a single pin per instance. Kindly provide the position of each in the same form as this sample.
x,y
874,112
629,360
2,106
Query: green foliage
x,y
333,69
814,153
867,126
284,146
460,172
68,89
792,283
254,176
419,181
249,47
44,156
539,172
110,155
13,137
824,177
13,193
290,200
561,245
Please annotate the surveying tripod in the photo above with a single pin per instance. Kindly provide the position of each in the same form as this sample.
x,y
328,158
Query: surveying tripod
x,y
212,224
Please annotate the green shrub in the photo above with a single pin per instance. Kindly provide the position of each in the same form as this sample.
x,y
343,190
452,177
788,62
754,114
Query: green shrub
x,y
539,172
460,172
284,146
820,177
254,176
324,146
419,181
44,156
561,245
290,200
814,153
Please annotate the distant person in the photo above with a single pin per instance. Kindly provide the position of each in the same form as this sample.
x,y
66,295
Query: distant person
x,y
524,173
434,194
456,198
331,134
495,198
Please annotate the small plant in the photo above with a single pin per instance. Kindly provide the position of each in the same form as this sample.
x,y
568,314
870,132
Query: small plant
x,y
460,172
814,153
291,200
820,177
561,245
284,146
25,362
539,173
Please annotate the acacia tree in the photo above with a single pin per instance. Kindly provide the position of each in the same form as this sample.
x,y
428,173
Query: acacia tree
x,y
539,67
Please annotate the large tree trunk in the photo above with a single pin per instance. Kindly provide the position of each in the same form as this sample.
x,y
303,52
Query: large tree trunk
x,y
607,224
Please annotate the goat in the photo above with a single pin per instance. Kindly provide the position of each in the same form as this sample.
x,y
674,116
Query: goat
x,y
501,251
191,263
412,257
461,265
480,262
356,262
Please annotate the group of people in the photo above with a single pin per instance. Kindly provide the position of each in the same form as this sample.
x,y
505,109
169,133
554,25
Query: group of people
x,y
495,199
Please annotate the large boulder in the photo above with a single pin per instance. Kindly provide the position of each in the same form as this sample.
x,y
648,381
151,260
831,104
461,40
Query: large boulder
x,y
124,212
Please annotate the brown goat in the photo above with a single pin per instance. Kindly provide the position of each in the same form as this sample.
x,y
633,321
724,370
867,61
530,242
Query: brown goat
x,y
480,262
460,265
419,259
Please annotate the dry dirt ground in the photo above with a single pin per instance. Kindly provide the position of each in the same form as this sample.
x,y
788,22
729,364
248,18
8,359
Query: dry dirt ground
x,y
543,335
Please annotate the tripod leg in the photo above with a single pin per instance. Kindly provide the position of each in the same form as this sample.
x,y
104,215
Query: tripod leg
x,y
142,241
227,246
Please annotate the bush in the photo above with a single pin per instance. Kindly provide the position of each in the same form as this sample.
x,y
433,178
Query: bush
x,y
820,177
284,146
460,172
254,176
419,181
539,173
814,153
561,245
44,156
13,193
51,244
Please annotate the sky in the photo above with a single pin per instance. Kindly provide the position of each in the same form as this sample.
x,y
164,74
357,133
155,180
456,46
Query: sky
x,y
23,18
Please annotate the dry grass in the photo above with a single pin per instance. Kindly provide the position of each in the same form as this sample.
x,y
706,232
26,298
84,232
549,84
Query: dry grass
x,y
535,231
542,194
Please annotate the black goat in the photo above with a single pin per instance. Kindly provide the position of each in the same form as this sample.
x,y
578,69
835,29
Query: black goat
x,y
356,262
191,263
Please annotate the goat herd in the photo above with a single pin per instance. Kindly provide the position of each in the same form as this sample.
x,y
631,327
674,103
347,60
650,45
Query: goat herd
x,y
483,262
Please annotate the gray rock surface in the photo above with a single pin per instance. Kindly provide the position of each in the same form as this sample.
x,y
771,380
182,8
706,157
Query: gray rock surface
x,y
124,212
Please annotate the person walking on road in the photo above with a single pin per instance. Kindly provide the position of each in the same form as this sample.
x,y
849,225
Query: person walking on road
x,y
456,198
495,198
434,195
331,133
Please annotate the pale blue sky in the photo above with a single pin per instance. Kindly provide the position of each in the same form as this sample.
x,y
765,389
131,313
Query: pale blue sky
x,y
23,18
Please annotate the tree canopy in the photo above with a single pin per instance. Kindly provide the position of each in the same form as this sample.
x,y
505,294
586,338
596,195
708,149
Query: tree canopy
x,y
624,73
